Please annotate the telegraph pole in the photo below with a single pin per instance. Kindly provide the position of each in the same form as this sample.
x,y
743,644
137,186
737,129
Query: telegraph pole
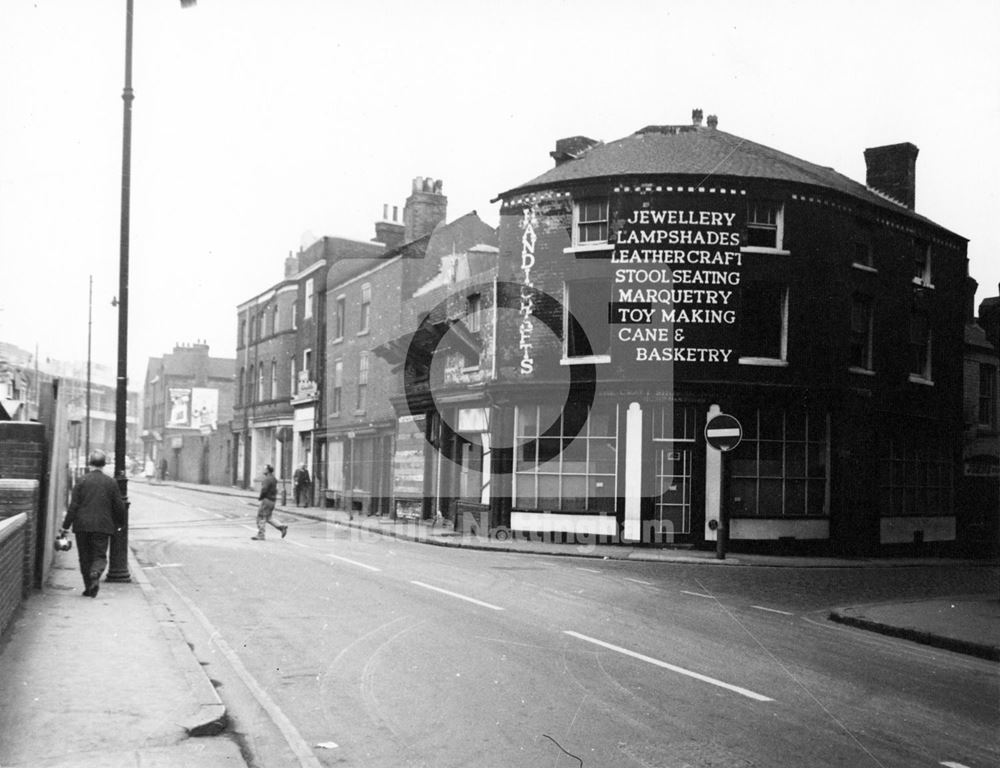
x,y
90,326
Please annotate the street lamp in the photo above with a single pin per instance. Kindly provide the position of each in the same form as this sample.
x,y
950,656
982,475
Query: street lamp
x,y
118,560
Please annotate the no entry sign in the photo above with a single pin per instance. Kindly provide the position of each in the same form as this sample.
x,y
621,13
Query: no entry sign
x,y
723,432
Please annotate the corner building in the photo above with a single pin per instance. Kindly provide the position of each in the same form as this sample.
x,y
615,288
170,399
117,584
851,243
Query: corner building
x,y
650,283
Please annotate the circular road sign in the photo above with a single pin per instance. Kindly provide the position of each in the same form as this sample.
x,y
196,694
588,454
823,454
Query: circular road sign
x,y
723,432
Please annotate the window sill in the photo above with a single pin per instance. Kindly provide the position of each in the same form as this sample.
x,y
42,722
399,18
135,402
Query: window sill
x,y
589,248
863,267
362,412
471,369
585,360
765,249
365,332
916,379
337,340
772,362
861,371
921,283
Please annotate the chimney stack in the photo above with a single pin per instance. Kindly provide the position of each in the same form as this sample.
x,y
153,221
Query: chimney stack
x,y
291,265
696,115
425,208
570,148
713,121
389,233
892,170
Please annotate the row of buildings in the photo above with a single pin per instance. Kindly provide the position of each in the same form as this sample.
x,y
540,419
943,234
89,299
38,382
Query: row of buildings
x,y
556,374
88,391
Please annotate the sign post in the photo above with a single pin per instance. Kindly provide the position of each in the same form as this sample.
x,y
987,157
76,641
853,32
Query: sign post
x,y
723,433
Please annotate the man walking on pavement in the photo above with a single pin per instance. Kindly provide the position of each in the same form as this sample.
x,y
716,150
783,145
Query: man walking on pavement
x,y
268,496
96,512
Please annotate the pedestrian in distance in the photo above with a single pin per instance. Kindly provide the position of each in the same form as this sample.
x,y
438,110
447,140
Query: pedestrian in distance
x,y
300,482
96,512
163,468
149,470
268,496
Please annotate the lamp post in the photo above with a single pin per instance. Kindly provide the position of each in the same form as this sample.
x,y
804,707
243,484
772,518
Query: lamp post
x,y
118,561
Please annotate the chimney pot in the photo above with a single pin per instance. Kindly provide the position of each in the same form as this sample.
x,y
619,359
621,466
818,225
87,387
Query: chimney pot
x,y
696,115
713,121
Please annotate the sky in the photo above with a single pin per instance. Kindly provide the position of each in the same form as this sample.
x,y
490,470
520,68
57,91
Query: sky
x,y
259,126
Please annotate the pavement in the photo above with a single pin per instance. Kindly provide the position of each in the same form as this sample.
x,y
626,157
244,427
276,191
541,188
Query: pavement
x,y
111,682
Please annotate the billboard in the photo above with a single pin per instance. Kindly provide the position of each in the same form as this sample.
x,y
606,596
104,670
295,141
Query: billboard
x,y
194,408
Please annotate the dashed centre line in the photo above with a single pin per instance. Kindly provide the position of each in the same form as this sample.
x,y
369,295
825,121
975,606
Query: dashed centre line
x,y
697,594
639,581
673,668
772,610
355,562
588,570
455,594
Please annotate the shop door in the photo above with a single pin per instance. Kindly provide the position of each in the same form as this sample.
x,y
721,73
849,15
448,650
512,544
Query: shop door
x,y
667,516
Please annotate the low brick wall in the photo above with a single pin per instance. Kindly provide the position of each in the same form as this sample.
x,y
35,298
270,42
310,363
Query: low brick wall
x,y
20,497
13,542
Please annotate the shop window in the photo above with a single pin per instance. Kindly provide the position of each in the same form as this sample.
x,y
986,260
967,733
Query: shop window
x,y
339,317
861,333
920,348
781,467
554,472
765,224
764,324
336,388
987,396
587,331
307,305
590,222
916,477
366,306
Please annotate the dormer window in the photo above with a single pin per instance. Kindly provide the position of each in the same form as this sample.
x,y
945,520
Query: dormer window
x,y
590,222
765,224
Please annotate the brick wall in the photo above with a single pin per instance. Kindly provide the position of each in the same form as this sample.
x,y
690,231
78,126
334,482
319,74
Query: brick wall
x,y
22,449
20,498
13,536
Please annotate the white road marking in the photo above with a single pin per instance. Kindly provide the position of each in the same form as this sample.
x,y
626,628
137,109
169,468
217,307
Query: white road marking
x,y
355,562
210,512
639,581
949,764
589,570
679,670
460,597
294,739
696,594
772,610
